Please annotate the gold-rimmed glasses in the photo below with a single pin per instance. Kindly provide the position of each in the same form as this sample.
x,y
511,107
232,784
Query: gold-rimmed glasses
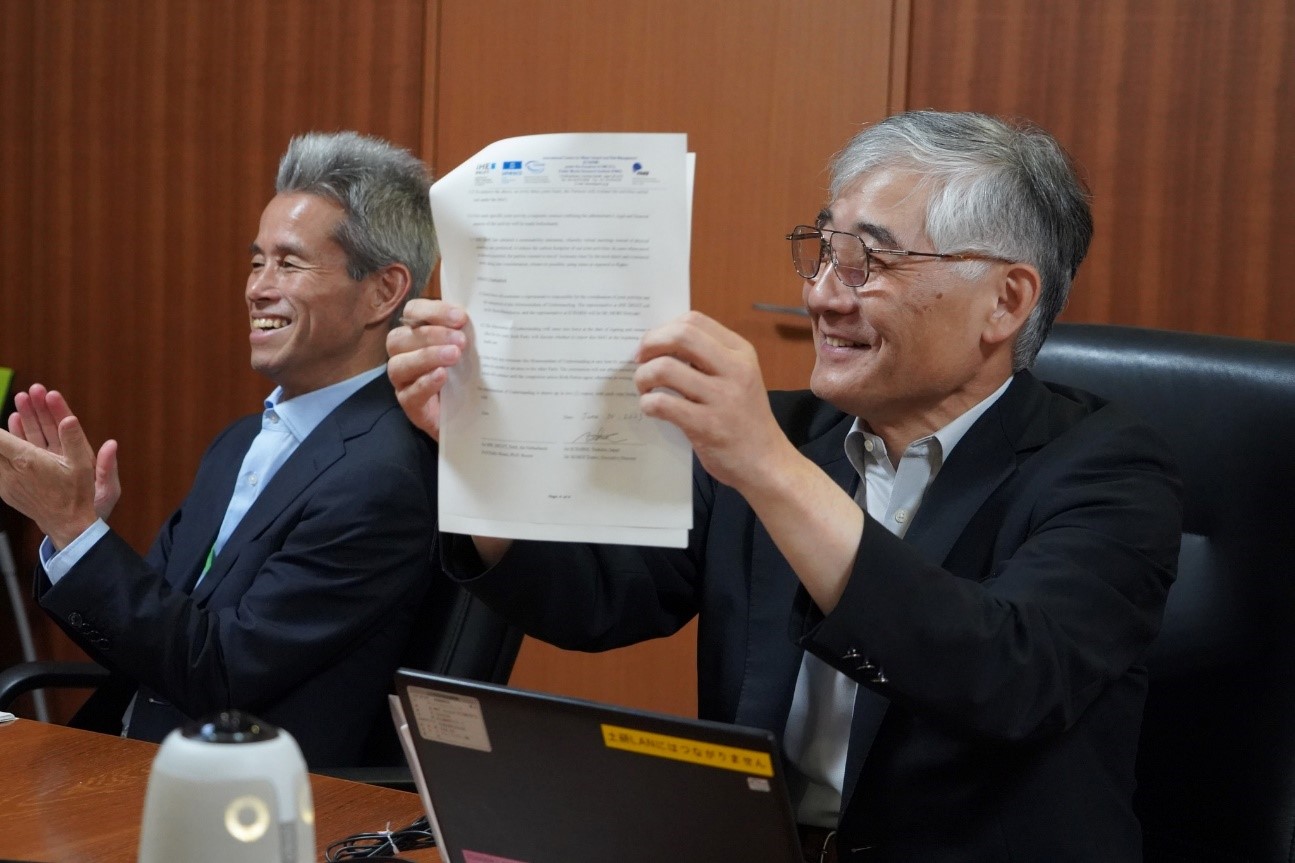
x,y
851,257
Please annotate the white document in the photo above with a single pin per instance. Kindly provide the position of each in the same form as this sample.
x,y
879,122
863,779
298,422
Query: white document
x,y
564,249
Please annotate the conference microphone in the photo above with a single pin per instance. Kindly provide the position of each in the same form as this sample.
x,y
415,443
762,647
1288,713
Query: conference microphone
x,y
231,789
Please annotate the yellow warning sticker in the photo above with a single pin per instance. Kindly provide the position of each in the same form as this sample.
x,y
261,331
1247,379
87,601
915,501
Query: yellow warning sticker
x,y
692,751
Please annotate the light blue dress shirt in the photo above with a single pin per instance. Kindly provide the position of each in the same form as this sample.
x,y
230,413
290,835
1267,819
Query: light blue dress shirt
x,y
284,425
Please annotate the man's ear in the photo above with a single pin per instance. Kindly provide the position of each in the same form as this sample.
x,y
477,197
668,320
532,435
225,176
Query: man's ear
x,y
390,289
1017,295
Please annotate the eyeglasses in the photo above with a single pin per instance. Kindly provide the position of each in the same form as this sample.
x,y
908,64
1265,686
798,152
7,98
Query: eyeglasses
x,y
850,256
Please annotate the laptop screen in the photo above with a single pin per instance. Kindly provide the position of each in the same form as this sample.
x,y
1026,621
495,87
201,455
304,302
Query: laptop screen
x,y
514,776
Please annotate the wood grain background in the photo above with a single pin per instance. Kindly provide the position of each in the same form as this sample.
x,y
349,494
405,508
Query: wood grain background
x,y
1181,112
138,140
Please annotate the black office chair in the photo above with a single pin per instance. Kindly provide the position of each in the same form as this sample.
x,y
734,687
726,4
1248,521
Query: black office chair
x,y
463,638
1216,766
24,677
457,636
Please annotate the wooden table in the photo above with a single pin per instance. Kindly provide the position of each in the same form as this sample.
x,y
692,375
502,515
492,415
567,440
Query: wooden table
x,y
69,796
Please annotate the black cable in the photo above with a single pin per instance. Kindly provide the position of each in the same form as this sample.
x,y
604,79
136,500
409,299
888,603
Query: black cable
x,y
382,847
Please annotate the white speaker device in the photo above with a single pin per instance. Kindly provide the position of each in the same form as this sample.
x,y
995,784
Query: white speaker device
x,y
230,789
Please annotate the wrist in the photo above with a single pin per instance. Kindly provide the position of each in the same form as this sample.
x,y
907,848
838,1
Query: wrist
x,y
774,475
491,549
65,533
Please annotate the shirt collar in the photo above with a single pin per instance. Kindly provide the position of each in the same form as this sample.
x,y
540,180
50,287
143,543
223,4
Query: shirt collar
x,y
302,414
946,438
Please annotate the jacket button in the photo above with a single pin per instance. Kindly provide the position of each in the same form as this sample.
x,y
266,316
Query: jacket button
x,y
852,653
75,619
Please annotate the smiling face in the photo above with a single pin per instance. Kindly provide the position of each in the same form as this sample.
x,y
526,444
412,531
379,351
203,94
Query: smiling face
x,y
312,325
917,345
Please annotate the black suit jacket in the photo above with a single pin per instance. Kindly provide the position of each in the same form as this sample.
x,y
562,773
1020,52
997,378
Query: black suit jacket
x,y
305,612
997,646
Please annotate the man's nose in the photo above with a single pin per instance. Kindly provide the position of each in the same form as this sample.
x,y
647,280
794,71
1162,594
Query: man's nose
x,y
825,292
261,282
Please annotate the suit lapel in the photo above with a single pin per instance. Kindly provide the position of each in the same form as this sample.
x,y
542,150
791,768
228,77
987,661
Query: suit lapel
x,y
205,508
983,460
979,464
321,448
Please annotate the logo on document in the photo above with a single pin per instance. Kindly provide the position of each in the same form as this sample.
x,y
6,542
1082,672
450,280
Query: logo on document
x,y
640,171
535,166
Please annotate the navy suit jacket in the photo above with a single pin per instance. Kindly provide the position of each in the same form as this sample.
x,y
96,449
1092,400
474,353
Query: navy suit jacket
x,y
304,614
997,645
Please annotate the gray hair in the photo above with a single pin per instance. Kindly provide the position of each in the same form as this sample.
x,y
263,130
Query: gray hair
x,y
1007,190
382,189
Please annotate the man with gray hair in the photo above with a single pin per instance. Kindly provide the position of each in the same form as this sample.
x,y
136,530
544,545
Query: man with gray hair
x,y
933,575
287,582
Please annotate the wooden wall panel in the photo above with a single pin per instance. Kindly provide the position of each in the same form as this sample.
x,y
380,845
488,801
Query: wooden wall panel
x,y
1182,113
766,91
138,143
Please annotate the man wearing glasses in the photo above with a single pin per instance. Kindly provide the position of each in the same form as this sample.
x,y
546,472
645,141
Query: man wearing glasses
x,y
934,576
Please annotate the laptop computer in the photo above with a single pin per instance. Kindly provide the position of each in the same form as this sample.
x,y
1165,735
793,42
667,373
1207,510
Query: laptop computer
x,y
512,776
